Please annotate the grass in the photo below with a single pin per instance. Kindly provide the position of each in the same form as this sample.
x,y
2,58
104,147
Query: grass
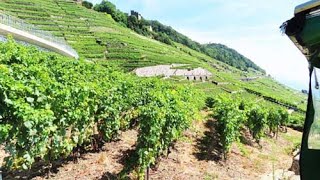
x,y
186,139
243,149
209,176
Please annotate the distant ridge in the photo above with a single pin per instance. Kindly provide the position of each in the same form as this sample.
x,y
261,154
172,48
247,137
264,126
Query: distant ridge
x,y
230,56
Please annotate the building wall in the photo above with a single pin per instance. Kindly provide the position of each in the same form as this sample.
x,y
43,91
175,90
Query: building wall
x,y
136,14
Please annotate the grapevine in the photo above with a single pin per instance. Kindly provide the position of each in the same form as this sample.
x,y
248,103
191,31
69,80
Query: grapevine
x,y
51,105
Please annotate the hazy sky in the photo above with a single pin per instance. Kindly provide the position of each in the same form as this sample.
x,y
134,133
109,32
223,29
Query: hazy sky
x,y
249,26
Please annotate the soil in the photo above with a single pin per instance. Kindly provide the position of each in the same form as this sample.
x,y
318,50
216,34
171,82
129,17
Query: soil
x,y
196,155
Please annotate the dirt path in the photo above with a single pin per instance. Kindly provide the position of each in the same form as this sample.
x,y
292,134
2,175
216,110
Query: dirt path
x,y
195,156
102,165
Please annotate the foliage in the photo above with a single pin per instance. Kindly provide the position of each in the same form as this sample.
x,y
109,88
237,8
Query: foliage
x,y
174,35
162,37
87,4
296,121
168,112
233,115
229,117
256,121
277,93
284,120
51,105
230,56
274,121
108,7
210,101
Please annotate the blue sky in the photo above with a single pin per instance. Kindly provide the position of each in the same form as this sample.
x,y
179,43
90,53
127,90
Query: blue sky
x,y
249,26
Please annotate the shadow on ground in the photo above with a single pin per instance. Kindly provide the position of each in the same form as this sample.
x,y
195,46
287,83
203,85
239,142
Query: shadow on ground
x,y
127,158
40,169
45,169
208,146
109,176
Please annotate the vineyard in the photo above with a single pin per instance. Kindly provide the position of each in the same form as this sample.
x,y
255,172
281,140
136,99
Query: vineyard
x,y
97,37
52,105
235,116
53,108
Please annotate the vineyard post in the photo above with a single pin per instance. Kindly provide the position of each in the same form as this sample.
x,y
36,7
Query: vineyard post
x,y
147,174
277,132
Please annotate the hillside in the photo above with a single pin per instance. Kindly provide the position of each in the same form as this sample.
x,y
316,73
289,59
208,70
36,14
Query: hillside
x,y
230,56
97,36
166,34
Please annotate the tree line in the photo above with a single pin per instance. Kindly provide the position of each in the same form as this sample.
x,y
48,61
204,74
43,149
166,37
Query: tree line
x,y
166,34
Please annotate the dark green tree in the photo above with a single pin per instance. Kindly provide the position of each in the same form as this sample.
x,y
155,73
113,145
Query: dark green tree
x,y
110,8
162,37
133,22
87,4
106,6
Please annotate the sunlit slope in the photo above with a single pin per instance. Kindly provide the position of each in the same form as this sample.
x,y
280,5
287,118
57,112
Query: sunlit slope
x,y
97,36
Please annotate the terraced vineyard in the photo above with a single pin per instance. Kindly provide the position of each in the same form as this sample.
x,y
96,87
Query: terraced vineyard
x,y
97,36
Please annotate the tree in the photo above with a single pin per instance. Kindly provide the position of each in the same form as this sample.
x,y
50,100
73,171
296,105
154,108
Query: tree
x,y
87,4
133,22
106,6
162,37
121,17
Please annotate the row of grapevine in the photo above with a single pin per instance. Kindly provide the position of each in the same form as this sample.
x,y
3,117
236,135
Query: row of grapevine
x,y
164,118
234,115
274,99
229,121
51,105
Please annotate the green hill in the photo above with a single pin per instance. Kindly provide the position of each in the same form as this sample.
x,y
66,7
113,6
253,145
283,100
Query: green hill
x,y
166,34
97,36
230,56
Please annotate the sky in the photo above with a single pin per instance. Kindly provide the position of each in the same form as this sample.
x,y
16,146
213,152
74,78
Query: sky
x,y
249,26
